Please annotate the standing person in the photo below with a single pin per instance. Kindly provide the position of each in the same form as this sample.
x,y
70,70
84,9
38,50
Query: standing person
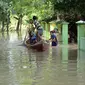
x,y
38,27
53,38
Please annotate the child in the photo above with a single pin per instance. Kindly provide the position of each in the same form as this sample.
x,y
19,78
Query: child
x,y
33,38
53,38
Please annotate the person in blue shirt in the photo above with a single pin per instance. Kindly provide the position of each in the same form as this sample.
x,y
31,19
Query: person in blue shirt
x,y
33,38
53,38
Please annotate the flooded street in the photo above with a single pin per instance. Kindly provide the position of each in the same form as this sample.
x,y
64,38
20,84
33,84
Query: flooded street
x,y
61,65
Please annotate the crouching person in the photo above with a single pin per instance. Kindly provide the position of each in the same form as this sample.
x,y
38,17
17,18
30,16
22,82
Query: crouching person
x,y
33,38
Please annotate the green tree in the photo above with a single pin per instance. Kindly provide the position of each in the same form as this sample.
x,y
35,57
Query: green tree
x,y
21,8
5,13
69,10
41,8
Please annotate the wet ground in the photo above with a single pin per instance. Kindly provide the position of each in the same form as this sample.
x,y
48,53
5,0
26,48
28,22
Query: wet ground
x,y
61,65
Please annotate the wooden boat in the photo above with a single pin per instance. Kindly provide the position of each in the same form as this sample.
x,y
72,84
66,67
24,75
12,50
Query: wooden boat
x,y
42,45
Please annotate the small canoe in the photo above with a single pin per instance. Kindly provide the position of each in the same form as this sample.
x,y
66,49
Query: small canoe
x,y
42,45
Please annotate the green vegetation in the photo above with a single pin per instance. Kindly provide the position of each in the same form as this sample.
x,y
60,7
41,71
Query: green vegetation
x,y
18,9
22,10
70,10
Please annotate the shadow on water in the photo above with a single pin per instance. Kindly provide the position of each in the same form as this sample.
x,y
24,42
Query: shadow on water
x,y
8,35
69,54
4,35
19,34
72,55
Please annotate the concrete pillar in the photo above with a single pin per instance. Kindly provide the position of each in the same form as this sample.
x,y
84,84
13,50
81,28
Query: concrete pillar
x,y
81,34
48,31
47,27
65,32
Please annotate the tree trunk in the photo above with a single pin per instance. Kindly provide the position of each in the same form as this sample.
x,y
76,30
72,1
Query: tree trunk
x,y
7,27
19,24
8,21
17,29
2,25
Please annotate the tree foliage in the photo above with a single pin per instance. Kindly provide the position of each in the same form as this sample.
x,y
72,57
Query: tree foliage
x,y
41,8
66,9
69,9
21,8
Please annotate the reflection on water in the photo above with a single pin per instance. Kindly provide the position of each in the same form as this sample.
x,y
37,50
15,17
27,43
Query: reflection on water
x,y
61,65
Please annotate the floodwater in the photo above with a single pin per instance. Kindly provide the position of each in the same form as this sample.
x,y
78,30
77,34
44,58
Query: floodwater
x,y
61,65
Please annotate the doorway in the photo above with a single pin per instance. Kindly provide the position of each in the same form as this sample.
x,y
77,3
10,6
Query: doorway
x,y
72,32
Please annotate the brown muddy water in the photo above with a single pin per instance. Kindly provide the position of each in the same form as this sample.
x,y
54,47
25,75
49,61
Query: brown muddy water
x,y
61,65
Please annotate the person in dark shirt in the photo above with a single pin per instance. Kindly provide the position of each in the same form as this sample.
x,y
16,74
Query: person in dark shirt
x,y
38,27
